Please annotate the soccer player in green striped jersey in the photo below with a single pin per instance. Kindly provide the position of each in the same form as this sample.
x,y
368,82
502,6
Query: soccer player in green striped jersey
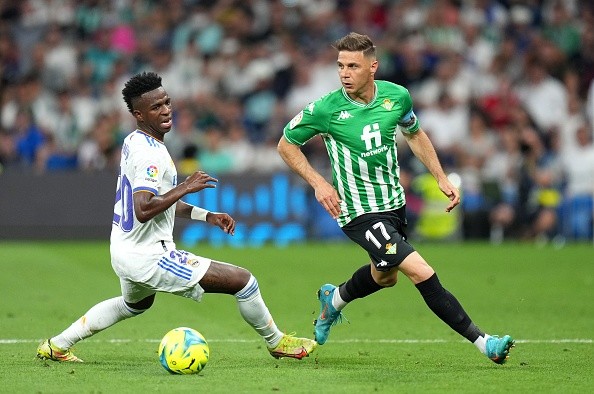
x,y
358,124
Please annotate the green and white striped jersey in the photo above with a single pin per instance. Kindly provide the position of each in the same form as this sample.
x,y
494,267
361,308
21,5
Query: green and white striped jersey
x,y
361,143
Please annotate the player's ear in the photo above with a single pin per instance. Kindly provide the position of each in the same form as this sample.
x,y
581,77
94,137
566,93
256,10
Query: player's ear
x,y
137,114
373,66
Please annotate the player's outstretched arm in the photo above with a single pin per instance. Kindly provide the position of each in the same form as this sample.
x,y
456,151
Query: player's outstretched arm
x,y
147,205
423,149
184,210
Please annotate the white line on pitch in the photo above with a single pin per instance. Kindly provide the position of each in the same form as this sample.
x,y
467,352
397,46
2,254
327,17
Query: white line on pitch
x,y
389,341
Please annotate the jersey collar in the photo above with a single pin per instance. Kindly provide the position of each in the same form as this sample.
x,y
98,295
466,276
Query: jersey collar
x,y
150,136
358,104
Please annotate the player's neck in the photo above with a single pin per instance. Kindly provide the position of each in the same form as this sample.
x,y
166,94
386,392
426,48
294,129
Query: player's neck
x,y
364,96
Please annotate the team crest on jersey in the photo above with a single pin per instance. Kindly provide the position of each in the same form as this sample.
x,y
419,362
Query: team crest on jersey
x,y
152,171
391,248
310,108
193,262
387,104
296,120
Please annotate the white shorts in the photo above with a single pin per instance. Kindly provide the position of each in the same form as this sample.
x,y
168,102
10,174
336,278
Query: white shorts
x,y
173,271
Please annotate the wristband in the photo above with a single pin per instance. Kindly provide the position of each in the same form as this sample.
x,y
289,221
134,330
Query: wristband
x,y
198,214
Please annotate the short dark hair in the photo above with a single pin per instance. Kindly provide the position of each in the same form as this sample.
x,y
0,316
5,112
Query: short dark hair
x,y
355,42
138,85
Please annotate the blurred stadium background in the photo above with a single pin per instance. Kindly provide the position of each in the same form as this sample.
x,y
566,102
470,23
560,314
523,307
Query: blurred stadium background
x,y
504,88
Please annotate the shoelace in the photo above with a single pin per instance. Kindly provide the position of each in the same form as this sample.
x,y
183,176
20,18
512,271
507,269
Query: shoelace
x,y
340,318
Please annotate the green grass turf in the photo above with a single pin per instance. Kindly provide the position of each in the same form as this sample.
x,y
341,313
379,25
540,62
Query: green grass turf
x,y
393,343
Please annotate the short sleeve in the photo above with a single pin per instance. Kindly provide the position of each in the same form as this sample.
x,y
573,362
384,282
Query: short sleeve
x,y
305,125
148,170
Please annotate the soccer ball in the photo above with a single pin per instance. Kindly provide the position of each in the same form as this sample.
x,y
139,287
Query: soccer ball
x,y
183,350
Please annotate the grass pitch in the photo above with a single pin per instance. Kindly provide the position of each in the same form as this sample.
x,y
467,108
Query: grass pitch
x,y
393,343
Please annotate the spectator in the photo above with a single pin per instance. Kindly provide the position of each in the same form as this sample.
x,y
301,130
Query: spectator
x,y
99,59
20,144
561,29
501,177
473,152
213,156
29,95
60,59
184,133
449,77
10,62
578,164
446,124
64,136
100,149
543,96
240,148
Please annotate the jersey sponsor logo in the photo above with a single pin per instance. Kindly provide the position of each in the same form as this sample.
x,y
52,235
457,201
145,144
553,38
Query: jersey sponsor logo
x,y
387,104
296,120
374,152
371,136
152,171
373,140
391,248
344,115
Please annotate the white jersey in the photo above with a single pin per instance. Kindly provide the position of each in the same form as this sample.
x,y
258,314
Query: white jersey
x,y
145,165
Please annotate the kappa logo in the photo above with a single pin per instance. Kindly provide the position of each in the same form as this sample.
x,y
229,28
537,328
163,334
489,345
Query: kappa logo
x,y
344,115
391,249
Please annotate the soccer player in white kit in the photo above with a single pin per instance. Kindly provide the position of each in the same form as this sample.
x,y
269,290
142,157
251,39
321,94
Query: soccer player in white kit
x,y
143,253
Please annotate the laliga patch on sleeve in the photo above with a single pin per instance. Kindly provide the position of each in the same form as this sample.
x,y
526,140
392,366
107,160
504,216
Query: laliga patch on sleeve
x,y
152,171
296,120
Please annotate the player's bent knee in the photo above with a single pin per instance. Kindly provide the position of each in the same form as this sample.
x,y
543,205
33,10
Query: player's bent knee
x,y
142,305
385,280
388,282
225,278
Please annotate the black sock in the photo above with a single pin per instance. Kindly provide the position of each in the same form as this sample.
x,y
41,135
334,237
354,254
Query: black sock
x,y
447,308
360,285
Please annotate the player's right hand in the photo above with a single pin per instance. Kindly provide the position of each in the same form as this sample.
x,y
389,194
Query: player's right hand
x,y
328,198
199,180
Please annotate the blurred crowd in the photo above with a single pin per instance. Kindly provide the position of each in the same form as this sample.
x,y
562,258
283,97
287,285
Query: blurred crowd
x,y
505,89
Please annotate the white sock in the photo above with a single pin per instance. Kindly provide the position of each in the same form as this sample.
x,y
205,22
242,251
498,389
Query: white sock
x,y
481,343
337,302
254,311
98,318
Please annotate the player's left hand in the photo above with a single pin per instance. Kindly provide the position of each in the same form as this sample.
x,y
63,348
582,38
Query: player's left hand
x,y
450,192
223,221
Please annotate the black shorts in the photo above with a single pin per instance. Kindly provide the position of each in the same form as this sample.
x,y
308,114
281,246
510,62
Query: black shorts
x,y
383,236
